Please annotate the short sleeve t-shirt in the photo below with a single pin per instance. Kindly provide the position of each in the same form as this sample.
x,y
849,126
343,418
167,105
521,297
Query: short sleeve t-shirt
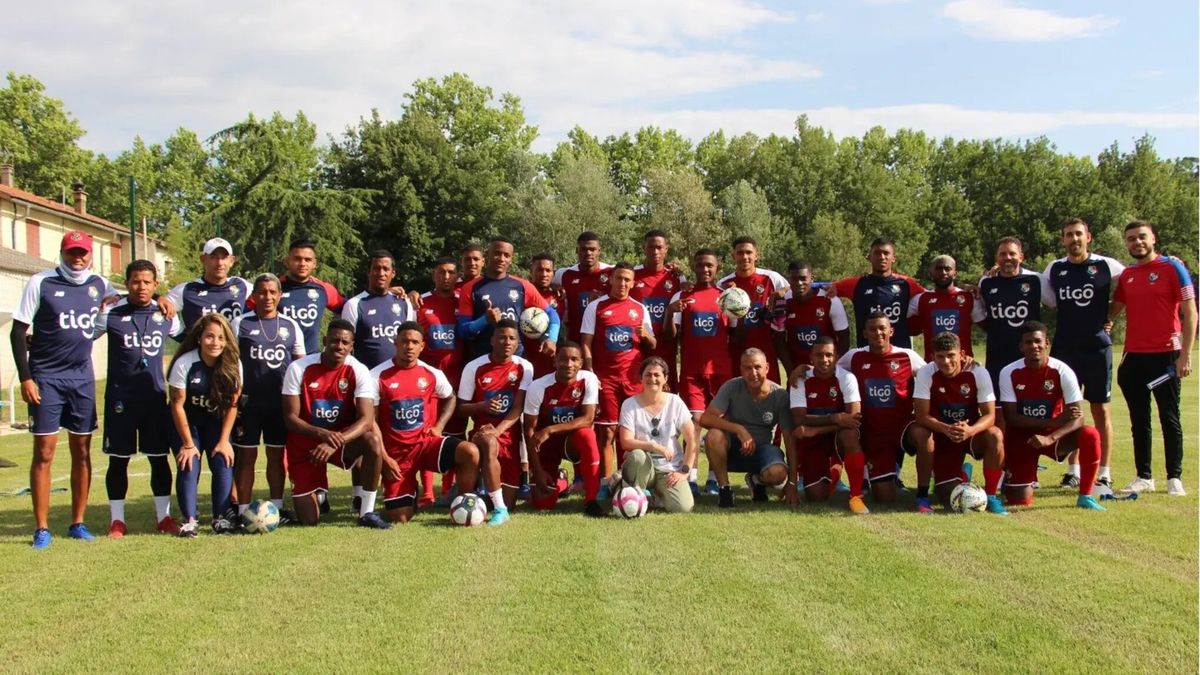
x,y
663,428
760,417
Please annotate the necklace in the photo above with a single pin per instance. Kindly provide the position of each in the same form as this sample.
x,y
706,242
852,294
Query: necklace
x,y
270,338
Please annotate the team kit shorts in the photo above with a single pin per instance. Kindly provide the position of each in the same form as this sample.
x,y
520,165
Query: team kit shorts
x,y
697,391
948,458
1093,369
259,424
612,395
430,453
816,456
130,426
882,445
66,404
308,476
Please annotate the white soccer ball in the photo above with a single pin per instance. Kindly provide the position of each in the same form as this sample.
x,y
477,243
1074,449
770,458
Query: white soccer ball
x,y
534,322
968,497
630,502
468,511
734,302
260,517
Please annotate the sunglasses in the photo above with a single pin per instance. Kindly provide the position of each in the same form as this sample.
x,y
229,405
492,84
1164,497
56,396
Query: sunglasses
x,y
654,427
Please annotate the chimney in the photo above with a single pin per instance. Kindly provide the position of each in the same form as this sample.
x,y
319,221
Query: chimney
x,y
6,174
80,198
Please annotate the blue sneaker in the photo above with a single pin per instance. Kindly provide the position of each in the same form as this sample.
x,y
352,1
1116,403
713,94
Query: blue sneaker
x,y
994,505
968,469
1087,502
695,488
444,500
923,505
373,521
80,531
605,494
499,517
41,539
711,487
525,492
840,487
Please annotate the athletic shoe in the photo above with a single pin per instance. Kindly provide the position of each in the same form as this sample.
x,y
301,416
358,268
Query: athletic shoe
x,y
525,493
444,501
41,539
576,486
287,518
168,525
900,486
858,507
1175,487
711,488
223,525
994,505
1105,481
373,521
1069,481
725,497
1087,502
1138,485
840,486
116,529
499,517
593,509
758,491
605,493
189,530
923,505
968,470
323,503
79,531
695,488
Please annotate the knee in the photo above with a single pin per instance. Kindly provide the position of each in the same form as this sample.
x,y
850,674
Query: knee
x,y
43,455
774,474
636,457
715,441
467,453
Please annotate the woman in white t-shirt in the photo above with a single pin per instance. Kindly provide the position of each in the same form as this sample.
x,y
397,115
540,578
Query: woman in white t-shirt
x,y
651,425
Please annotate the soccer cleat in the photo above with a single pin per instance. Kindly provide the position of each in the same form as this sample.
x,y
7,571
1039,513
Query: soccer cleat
x,y
373,520
1138,485
695,488
223,525
1069,481
189,530
604,493
1175,487
725,497
444,500
287,518
498,518
79,531
858,507
525,493
168,525
758,491
41,539
593,509
711,488
1087,502
994,505
1105,481
840,487
323,502
923,505
116,529
576,486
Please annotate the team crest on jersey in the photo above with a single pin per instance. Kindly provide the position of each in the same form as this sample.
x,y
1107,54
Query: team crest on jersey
x,y
234,291
343,384
964,389
604,278
1024,289
118,407
312,294
833,392
396,308
1048,385
93,293
283,332
422,383
1091,270
894,365
157,317
512,378
513,295
575,393
820,313
768,417
633,313
1153,277
760,289
668,284
960,299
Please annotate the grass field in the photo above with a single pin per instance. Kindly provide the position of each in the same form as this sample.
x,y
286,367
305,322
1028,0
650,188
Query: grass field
x,y
764,588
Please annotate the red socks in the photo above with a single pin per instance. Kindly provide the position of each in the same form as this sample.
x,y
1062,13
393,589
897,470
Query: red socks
x,y
584,442
991,480
1088,441
855,463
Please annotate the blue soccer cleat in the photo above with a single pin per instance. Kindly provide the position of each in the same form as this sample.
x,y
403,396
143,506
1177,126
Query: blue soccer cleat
x,y
923,505
373,521
711,487
498,518
605,493
1089,503
840,486
41,539
525,493
79,531
994,505
695,488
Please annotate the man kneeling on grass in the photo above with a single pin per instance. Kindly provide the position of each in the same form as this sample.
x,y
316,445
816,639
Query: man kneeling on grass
x,y
742,418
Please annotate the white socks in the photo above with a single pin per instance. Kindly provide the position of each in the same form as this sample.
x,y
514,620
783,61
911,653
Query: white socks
x,y
1074,468
116,509
368,501
242,508
1105,472
162,506
497,499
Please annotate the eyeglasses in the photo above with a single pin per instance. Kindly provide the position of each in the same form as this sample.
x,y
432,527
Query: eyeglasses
x,y
654,427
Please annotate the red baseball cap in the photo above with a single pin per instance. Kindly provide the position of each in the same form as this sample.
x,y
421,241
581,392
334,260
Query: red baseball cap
x,y
76,239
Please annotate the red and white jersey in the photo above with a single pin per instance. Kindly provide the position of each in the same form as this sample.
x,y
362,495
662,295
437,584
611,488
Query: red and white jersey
x,y
759,285
655,290
558,402
703,331
825,395
885,382
578,286
438,317
808,319
939,311
327,395
1151,293
542,363
407,401
1040,393
483,380
616,344
954,399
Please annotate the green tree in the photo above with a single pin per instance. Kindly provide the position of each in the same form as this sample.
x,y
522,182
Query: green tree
x,y
834,247
744,211
41,138
678,204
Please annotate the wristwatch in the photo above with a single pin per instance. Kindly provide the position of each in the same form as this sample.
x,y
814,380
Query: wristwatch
x,y
685,469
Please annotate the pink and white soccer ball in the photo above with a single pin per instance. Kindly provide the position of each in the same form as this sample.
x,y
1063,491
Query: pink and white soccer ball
x,y
630,502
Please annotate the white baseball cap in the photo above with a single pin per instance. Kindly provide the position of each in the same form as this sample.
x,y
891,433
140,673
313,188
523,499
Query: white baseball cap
x,y
216,243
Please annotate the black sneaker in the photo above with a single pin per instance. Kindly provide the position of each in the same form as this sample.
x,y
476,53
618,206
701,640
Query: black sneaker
x,y
725,497
223,525
372,520
593,509
287,518
1106,482
758,491
323,502
1069,481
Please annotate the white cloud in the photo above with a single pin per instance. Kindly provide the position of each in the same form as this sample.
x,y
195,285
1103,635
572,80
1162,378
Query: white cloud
x,y
1002,20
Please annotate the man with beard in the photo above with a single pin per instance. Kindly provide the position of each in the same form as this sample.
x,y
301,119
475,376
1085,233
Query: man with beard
x,y
945,309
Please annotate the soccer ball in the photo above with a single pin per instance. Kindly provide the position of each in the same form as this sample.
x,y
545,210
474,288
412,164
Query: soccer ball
x,y
734,302
467,510
260,517
534,322
968,497
630,502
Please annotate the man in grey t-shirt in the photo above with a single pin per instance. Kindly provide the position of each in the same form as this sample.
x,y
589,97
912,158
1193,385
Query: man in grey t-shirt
x,y
742,419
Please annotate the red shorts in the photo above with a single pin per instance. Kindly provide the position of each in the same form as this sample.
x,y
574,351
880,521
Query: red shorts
x,y
308,477
431,453
816,454
1021,458
612,395
948,458
697,391
881,446
510,460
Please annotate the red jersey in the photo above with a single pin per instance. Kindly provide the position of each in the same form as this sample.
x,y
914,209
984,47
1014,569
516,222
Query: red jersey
x,y
327,395
1040,393
954,399
758,331
542,363
825,395
407,398
703,331
938,311
1151,293
655,290
578,286
555,403
808,319
616,344
483,380
438,317
885,382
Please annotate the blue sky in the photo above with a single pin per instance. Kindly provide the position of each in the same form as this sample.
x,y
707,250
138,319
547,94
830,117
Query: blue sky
x,y
1084,74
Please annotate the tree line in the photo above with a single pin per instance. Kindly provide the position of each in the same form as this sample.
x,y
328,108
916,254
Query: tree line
x,y
457,166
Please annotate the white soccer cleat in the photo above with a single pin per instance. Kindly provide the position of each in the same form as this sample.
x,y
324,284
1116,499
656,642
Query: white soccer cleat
x,y
1138,486
1175,488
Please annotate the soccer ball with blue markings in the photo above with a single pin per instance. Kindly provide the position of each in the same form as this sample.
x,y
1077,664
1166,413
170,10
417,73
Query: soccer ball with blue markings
x,y
261,517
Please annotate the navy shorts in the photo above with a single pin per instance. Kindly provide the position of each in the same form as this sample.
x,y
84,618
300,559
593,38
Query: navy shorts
x,y
259,423
66,404
130,426
205,435
1093,369
764,455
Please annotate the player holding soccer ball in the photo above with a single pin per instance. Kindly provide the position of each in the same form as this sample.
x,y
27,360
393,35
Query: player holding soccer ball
x,y
958,408
486,300
765,288
559,411
409,391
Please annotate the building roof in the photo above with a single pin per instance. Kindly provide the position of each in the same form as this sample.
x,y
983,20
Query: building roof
x,y
16,261
51,205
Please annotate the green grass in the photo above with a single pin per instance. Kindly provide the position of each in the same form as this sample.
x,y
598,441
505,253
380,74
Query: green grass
x,y
1051,588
